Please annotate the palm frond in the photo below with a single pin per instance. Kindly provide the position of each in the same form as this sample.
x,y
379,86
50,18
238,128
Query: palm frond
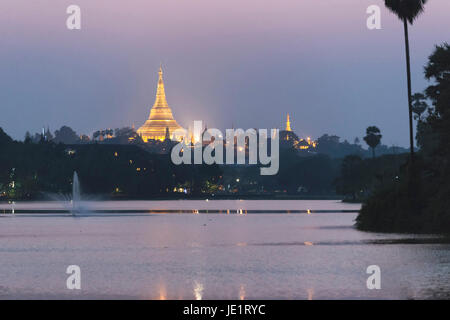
x,y
406,9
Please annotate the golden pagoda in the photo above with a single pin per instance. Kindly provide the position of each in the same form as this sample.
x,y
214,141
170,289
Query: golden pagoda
x,y
160,124
288,124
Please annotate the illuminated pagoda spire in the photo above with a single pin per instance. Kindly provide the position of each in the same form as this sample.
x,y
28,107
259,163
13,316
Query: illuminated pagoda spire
x,y
160,101
160,123
288,124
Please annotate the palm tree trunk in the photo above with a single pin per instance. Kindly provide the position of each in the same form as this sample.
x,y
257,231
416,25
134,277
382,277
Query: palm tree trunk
x,y
408,71
373,153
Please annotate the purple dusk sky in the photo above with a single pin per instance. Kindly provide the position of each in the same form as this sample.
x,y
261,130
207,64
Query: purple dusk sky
x,y
240,62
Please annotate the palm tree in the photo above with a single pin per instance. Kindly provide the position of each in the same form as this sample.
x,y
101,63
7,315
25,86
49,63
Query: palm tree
x,y
407,11
373,138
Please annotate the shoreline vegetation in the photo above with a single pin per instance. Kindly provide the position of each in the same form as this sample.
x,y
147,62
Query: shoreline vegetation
x,y
44,169
418,200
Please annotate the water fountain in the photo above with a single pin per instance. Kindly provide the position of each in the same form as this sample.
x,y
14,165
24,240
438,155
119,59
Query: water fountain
x,y
72,202
76,197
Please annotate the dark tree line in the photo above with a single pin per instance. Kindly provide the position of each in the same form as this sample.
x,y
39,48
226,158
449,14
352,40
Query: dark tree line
x,y
29,170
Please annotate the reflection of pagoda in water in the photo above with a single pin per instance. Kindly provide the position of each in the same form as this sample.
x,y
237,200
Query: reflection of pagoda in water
x,y
160,125
288,138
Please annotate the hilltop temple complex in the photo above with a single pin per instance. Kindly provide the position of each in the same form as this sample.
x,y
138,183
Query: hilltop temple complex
x,y
290,139
161,124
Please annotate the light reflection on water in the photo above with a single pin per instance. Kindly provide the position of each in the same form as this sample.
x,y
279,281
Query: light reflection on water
x,y
216,256
162,292
242,292
310,293
198,290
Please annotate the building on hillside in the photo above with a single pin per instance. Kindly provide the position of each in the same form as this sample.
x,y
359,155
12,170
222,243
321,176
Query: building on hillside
x,y
288,138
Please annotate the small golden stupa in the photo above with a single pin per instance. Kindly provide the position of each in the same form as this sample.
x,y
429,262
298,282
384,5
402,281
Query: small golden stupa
x,y
288,124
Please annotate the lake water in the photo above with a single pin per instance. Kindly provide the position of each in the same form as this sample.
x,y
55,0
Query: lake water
x,y
261,250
